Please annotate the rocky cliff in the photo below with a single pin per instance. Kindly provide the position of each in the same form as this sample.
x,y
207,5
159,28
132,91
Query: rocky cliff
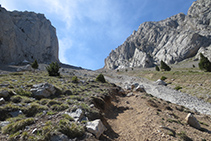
x,y
26,36
171,40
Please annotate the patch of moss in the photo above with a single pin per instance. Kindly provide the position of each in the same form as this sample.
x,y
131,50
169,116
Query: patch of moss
x,y
57,107
16,126
72,130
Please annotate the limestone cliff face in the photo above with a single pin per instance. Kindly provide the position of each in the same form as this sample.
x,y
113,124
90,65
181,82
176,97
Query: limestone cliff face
x,y
171,40
26,36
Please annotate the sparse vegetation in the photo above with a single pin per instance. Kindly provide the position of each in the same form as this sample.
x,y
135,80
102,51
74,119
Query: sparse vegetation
x,y
72,130
19,125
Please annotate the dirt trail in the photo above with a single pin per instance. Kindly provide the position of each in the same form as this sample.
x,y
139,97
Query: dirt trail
x,y
143,117
135,122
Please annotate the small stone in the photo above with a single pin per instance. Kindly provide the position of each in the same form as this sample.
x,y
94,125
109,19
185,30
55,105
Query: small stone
x,y
2,101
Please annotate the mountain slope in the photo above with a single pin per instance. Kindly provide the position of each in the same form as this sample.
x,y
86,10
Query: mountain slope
x,y
171,40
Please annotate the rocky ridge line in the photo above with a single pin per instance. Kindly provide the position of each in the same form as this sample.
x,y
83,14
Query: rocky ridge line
x,y
171,40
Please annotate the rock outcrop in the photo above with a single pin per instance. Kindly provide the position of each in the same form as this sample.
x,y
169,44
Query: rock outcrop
x,y
171,40
26,36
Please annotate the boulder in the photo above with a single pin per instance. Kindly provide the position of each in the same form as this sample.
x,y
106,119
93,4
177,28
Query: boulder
x,y
16,113
2,101
192,121
43,90
161,82
96,127
4,93
77,115
61,137
140,88
4,123
25,68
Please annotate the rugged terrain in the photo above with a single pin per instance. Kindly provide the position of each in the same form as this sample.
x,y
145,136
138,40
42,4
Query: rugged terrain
x,y
26,36
127,114
172,40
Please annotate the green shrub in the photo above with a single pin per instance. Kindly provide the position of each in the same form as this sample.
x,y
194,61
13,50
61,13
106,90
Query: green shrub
x,y
16,99
66,116
61,107
75,79
178,88
53,69
35,65
100,78
33,109
163,78
164,66
72,130
157,68
204,63
23,92
19,125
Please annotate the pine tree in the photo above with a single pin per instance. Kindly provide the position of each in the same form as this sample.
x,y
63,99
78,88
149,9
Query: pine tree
x,y
53,69
35,65
164,66
157,68
204,63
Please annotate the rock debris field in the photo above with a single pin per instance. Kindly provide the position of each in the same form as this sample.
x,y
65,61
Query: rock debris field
x,y
163,92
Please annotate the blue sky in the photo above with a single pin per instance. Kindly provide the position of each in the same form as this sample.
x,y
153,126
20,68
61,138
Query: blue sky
x,y
88,30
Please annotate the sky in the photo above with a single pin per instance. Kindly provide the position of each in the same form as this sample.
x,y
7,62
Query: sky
x,y
88,30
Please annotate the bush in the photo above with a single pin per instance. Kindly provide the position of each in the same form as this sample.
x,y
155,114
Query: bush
x,y
164,66
100,78
72,130
75,79
19,125
53,69
178,88
204,63
157,68
163,78
35,65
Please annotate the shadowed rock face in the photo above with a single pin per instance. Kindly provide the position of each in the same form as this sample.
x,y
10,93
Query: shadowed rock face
x,y
26,36
171,40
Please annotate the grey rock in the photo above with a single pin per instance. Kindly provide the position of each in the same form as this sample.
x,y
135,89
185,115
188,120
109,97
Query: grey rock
x,y
77,115
4,123
26,36
96,127
130,94
25,68
4,93
2,101
140,88
61,137
192,121
161,82
16,113
43,90
172,40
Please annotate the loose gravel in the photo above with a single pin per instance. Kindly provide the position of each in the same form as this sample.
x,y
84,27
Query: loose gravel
x,y
163,92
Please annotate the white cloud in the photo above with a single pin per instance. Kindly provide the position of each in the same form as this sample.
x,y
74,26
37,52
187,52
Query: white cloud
x,y
64,45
